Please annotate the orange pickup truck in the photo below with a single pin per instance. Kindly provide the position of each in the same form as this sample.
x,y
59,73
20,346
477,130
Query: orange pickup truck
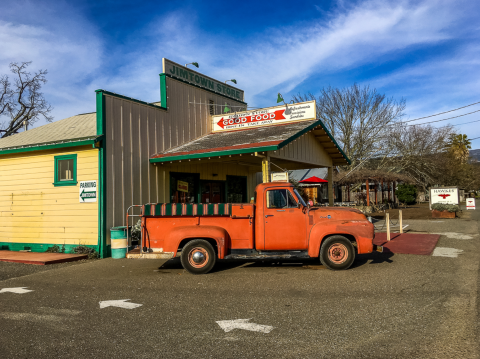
x,y
279,225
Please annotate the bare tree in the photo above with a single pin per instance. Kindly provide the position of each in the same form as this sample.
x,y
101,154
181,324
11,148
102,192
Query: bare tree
x,y
416,151
22,102
358,117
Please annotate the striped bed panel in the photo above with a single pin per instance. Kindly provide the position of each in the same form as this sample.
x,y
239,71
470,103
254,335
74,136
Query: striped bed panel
x,y
190,209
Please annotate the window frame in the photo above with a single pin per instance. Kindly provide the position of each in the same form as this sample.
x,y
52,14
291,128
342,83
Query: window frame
x,y
289,196
56,179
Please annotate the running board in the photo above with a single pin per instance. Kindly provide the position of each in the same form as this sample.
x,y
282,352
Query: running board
x,y
253,254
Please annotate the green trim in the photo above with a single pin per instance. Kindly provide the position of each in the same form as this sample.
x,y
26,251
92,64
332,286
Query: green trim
x,y
100,91
39,247
163,91
56,179
213,154
49,147
203,88
102,214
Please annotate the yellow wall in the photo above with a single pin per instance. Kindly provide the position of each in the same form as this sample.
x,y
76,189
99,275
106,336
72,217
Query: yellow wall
x,y
33,210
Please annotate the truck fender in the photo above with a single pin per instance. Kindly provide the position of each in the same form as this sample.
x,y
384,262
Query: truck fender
x,y
218,234
360,232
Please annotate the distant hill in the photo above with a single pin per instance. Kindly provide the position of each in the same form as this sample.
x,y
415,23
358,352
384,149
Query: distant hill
x,y
475,155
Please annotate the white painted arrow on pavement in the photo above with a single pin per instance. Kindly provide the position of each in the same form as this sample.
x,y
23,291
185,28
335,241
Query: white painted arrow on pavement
x,y
18,290
121,303
229,325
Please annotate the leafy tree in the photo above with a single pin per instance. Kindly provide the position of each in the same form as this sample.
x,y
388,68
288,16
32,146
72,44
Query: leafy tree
x,y
406,193
21,101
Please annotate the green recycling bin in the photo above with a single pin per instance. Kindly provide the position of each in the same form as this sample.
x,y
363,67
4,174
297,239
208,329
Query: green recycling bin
x,y
118,236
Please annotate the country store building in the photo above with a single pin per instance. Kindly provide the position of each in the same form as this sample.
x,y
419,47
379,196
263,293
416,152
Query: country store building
x,y
69,182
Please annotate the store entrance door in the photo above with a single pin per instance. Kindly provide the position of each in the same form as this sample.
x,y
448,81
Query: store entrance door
x,y
212,192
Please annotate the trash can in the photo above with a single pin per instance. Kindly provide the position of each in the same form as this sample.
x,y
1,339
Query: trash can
x,y
119,241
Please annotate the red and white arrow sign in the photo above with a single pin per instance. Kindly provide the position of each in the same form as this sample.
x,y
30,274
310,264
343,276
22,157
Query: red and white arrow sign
x,y
263,117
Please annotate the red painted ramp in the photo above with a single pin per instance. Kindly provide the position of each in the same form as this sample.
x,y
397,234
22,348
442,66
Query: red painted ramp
x,y
407,243
39,258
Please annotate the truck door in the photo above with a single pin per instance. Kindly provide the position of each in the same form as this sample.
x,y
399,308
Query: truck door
x,y
285,226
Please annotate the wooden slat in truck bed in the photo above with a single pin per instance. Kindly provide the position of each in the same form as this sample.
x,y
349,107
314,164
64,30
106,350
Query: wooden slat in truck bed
x,y
234,210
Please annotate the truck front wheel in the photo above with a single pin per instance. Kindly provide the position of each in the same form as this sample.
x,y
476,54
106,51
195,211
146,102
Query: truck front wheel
x,y
198,257
337,253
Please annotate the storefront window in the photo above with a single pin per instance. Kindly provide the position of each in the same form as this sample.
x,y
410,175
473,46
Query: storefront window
x,y
212,191
236,189
183,187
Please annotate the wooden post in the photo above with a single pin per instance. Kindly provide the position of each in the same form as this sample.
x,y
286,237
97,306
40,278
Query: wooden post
x,y
400,220
387,218
348,192
368,192
376,188
382,189
330,186
388,190
393,191
266,169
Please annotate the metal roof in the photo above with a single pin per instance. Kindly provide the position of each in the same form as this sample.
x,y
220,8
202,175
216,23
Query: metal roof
x,y
75,128
268,138
300,175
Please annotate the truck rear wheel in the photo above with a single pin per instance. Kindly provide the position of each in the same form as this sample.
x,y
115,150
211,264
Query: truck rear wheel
x,y
337,253
198,257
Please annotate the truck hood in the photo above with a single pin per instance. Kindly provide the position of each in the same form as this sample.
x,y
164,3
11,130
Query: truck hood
x,y
336,214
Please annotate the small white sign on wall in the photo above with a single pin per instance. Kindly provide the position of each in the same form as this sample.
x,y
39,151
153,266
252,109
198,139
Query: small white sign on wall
x,y
88,191
280,177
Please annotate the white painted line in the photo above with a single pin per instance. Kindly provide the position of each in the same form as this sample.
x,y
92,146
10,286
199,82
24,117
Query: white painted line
x,y
446,252
229,325
18,290
455,235
121,303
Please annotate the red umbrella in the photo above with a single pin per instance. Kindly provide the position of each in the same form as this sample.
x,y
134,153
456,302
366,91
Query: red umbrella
x,y
313,180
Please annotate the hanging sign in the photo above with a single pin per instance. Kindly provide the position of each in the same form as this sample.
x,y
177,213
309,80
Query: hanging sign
x,y
446,195
265,117
186,74
182,186
88,191
470,203
280,177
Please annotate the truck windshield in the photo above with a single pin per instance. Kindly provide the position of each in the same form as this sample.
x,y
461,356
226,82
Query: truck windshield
x,y
300,198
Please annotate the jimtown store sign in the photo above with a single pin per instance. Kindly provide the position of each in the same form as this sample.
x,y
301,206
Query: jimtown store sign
x,y
264,117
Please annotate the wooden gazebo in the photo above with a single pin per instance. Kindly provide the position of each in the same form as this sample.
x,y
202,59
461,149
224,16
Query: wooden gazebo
x,y
372,177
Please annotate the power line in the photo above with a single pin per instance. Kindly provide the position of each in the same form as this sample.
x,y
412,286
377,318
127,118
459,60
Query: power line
x,y
449,118
441,113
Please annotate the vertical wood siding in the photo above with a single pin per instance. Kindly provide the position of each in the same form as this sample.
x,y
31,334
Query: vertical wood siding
x,y
305,149
135,132
32,210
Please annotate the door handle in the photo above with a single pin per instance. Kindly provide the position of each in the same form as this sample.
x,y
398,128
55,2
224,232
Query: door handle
x,y
268,215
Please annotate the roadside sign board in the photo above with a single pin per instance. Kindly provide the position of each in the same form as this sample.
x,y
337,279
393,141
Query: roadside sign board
x,y
268,116
88,191
444,195
470,203
187,75
280,177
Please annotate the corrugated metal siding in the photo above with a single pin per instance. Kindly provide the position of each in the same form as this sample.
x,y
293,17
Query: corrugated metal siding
x,y
305,149
134,132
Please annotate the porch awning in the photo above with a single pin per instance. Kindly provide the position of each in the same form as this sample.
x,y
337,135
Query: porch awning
x,y
258,139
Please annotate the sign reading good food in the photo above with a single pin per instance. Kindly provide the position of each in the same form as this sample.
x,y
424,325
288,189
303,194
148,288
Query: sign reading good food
x,y
444,195
265,117
186,74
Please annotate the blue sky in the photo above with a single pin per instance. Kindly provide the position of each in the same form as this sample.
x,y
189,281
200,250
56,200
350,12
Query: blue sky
x,y
427,52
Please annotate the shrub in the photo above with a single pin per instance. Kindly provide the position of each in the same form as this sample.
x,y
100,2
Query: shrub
x,y
137,231
92,253
56,249
406,193
445,207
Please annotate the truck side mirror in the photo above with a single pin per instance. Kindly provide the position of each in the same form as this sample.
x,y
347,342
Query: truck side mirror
x,y
299,205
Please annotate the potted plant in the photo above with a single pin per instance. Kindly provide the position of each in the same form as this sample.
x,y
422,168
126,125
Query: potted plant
x,y
440,210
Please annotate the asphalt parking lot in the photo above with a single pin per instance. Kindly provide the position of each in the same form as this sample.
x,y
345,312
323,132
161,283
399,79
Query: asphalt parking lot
x,y
386,306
